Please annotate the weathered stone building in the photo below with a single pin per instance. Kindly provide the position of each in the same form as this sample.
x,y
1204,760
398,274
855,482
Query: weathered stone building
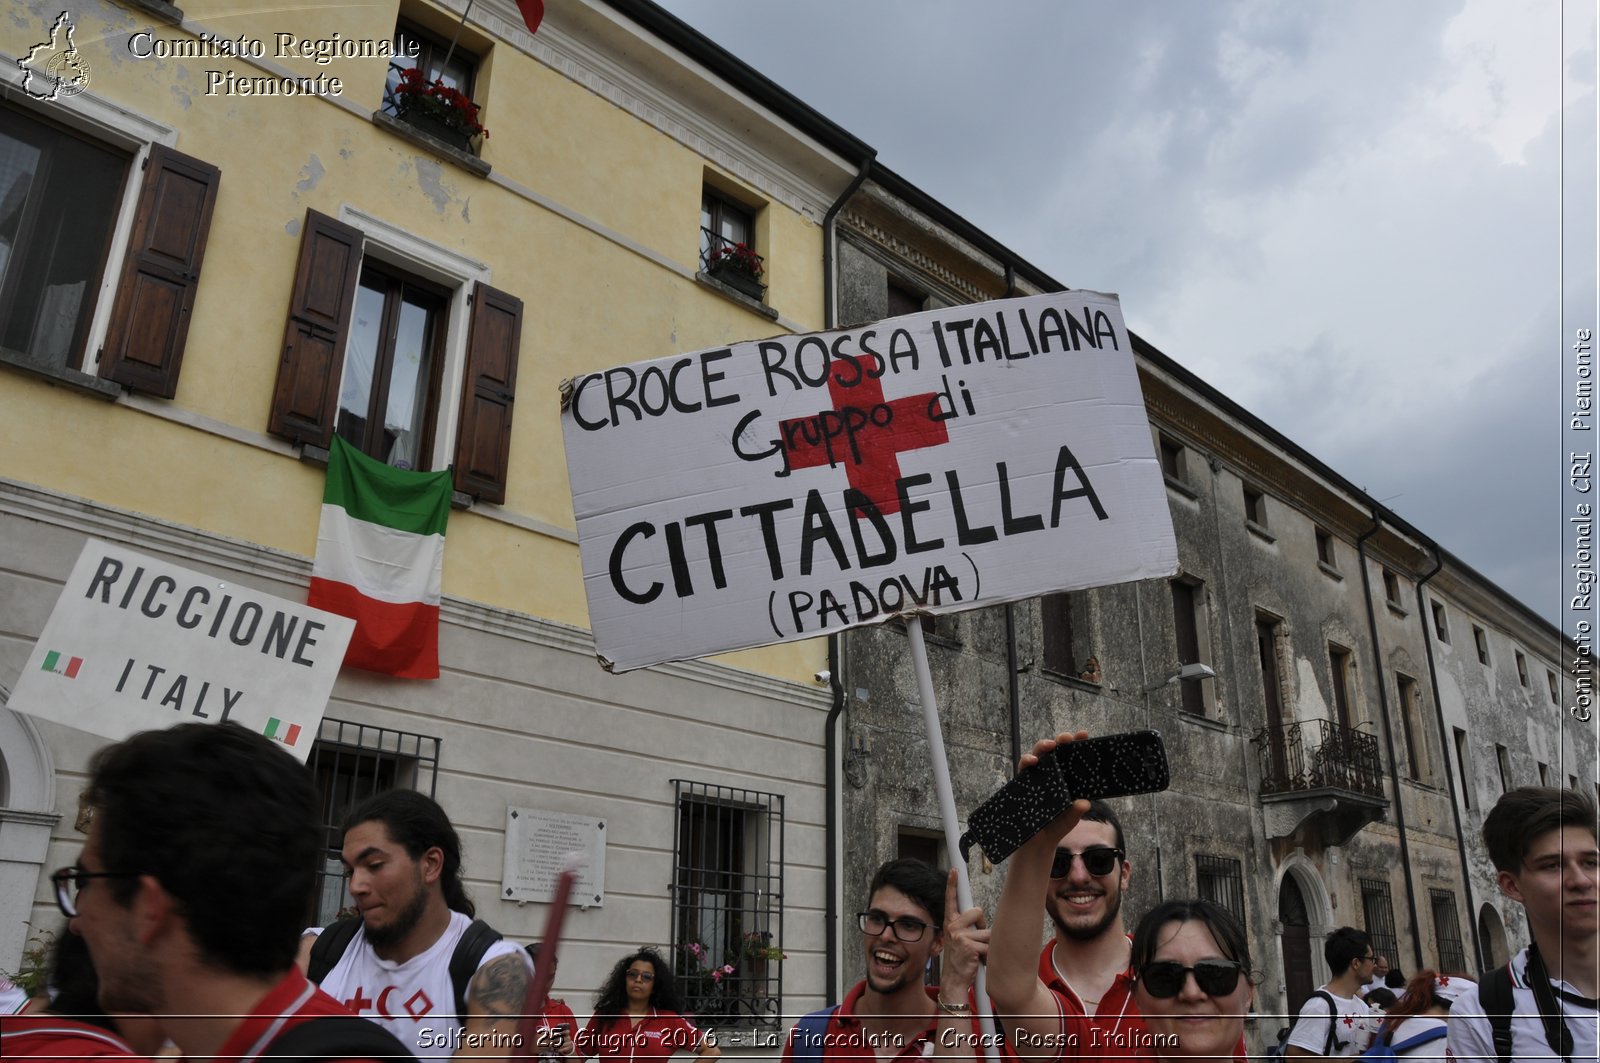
x,y
1335,768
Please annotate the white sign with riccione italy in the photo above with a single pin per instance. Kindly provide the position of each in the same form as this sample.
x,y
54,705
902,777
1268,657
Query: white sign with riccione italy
x,y
790,487
136,644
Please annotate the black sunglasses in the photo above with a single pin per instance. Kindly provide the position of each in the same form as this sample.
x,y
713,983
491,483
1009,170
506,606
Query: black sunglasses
x,y
70,881
1216,978
1098,860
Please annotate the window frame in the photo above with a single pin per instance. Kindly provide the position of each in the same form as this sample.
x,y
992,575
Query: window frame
x,y
1255,508
1377,912
1441,621
1447,930
758,993
1220,879
1480,641
713,202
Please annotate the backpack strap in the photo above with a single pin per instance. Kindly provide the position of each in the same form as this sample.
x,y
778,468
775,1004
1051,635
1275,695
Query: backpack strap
x,y
466,958
810,1035
1333,1023
329,946
1401,1047
1494,995
337,1037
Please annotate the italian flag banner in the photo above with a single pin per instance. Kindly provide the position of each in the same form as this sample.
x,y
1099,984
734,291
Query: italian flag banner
x,y
380,556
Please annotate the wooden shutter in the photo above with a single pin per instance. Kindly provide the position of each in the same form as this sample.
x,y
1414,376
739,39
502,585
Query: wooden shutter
x,y
150,318
307,394
483,439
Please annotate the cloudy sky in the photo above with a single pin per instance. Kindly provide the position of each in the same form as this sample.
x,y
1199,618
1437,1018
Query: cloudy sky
x,y
1344,214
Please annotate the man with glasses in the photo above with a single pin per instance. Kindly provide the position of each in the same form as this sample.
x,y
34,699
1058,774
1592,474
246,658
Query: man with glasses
x,y
191,889
1078,869
890,1014
1333,1020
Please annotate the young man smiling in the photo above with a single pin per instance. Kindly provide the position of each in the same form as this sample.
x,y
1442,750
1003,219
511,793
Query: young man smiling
x,y
890,1014
1543,845
1077,869
416,923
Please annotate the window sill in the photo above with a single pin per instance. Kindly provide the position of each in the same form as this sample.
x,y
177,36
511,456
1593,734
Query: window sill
x,y
1207,722
169,12
1072,681
1397,610
99,387
1331,572
737,296
466,160
1177,485
1260,531
318,456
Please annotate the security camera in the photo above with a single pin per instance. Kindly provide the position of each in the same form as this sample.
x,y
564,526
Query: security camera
x,y
823,676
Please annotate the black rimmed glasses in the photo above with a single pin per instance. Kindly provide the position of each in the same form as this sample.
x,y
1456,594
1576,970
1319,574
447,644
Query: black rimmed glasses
x,y
1097,860
905,928
70,881
1216,978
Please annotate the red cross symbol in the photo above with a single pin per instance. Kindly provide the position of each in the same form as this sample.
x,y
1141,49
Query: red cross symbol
x,y
358,1003
866,434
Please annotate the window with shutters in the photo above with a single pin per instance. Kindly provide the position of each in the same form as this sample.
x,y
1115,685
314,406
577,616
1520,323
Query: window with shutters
x,y
63,194
403,349
1055,621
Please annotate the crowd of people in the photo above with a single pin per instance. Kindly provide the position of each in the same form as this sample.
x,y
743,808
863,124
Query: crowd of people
x,y
186,903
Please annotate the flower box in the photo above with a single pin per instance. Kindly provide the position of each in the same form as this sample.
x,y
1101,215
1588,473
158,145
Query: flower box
x,y
437,128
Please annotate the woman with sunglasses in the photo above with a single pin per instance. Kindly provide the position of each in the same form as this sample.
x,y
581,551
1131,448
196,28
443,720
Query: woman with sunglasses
x,y
1415,1027
636,1016
1193,982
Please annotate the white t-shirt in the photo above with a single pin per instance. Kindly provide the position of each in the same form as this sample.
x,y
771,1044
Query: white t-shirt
x,y
1353,1028
413,1000
1472,1036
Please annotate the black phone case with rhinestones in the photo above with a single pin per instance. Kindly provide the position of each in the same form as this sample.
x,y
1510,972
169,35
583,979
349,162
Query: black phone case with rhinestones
x,y
1109,766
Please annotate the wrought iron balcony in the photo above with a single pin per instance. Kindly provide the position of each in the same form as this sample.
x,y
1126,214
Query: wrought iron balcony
x,y
1318,755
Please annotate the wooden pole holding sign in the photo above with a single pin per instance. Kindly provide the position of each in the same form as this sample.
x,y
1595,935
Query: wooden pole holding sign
x,y
947,816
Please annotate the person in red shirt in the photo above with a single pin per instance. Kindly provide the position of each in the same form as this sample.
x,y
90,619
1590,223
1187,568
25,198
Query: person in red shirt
x,y
1193,983
636,1016
69,1023
892,1014
1077,869
190,893
555,1035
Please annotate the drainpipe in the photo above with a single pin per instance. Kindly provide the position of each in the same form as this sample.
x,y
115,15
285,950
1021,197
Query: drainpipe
x,y
1449,764
1388,740
830,739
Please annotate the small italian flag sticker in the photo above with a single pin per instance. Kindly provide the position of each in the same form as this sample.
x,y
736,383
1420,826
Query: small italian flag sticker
x,y
278,731
61,664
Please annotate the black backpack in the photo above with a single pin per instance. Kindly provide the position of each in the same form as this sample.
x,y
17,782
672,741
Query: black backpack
x,y
464,961
331,1037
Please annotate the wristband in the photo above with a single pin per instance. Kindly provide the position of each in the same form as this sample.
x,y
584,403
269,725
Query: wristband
x,y
955,1009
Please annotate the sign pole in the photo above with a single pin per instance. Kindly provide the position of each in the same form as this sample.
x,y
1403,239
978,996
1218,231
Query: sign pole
x,y
544,974
947,814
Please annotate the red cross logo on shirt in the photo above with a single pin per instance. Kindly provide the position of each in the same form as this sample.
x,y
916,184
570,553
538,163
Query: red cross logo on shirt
x,y
358,1002
866,434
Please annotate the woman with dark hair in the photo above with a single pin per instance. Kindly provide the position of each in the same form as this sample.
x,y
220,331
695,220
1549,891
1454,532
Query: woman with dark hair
x,y
636,1016
1415,1027
1192,981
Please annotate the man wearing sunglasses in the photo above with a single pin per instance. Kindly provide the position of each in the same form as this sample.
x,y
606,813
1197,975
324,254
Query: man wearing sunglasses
x,y
1077,870
890,1014
1333,1021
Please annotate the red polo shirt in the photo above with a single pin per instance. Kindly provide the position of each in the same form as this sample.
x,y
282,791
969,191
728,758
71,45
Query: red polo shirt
x,y
45,1036
1115,1029
288,1004
656,1037
845,1040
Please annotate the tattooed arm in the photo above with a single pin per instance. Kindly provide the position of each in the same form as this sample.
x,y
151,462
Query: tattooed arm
x,y
495,998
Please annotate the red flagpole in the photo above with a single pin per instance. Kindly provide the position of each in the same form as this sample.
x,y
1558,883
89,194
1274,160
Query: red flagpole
x,y
545,970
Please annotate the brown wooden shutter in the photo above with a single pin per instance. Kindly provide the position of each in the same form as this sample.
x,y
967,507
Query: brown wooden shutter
x,y
483,439
307,394
150,318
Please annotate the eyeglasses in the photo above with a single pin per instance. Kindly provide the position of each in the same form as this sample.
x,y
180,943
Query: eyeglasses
x,y
1216,978
1098,860
641,976
905,928
70,881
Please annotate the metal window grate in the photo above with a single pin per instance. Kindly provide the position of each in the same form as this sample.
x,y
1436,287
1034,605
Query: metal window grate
x,y
1221,879
727,904
1378,905
349,763
1447,930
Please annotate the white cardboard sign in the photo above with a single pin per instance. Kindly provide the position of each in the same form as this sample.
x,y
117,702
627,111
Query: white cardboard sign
x,y
785,488
137,644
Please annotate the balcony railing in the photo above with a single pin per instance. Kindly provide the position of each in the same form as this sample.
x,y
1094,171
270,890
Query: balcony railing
x,y
1316,755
